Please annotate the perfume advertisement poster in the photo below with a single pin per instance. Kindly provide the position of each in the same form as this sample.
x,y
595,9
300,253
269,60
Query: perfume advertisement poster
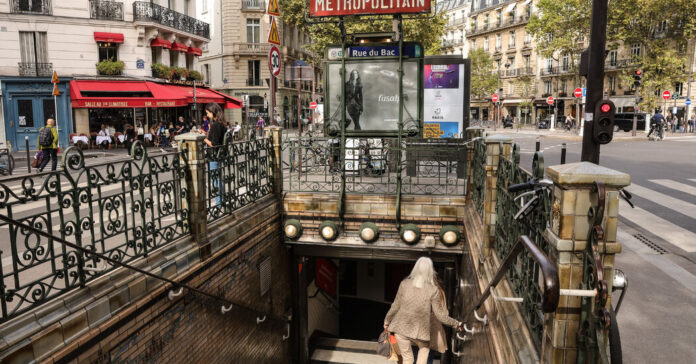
x,y
444,100
372,96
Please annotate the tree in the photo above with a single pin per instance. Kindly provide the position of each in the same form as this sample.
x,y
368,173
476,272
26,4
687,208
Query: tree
x,y
426,29
526,88
483,81
559,26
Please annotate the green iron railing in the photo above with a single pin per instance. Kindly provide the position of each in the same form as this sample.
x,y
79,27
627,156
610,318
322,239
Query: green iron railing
x,y
122,209
237,174
524,275
428,167
478,172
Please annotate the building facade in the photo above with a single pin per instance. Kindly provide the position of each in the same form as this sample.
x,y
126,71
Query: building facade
x,y
454,40
236,60
87,40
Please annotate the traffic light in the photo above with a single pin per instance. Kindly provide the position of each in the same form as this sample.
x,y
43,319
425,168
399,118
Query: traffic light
x,y
637,78
603,128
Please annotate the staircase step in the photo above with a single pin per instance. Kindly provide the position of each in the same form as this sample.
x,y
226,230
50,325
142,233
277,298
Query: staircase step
x,y
346,344
345,357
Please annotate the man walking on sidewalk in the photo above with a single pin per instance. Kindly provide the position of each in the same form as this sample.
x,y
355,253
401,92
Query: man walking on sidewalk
x,y
48,143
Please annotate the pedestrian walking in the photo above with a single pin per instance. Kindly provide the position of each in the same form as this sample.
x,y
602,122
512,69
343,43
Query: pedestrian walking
x,y
130,137
410,314
235,131
215,138
259,127
692,121
48,144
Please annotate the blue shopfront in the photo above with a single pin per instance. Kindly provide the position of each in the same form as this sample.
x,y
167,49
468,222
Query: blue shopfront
x,y
28,103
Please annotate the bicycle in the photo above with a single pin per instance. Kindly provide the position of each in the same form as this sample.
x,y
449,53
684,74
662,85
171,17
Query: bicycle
x,y
7,162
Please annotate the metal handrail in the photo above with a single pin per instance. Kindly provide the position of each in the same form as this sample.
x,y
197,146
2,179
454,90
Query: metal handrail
x,y
175,284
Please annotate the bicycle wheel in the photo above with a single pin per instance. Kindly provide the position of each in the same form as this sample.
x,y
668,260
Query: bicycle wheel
x,y
615,355
10,163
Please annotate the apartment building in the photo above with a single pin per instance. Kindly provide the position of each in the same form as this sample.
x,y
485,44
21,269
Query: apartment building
x,y
236,60
454,40
75,37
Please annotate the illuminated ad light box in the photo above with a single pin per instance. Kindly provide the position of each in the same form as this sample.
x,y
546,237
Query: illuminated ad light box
x,y
324,8
372,90
446,94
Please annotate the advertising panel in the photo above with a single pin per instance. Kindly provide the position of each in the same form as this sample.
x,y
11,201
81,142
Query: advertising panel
x,y
444,100
319,8
372,96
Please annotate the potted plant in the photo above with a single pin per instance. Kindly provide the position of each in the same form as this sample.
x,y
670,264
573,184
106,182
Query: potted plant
x,y
180,73
161,71
110,67
195,76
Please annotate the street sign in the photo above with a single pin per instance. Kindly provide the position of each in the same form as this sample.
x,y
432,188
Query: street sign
x,y
584,92
273,36
273,8
495,98
55,90
55,79
688,102
549,100
274,63
666,95
578,92
675,96
312,105
320,8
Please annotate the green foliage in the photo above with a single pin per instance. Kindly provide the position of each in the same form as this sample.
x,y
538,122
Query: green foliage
x,y
161,71
526,88
425,30
180,72
195,75
558,26
483,80
110,67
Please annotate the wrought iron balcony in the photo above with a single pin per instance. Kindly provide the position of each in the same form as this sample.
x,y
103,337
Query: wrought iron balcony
x,y
148,12
254,5
618,63
105,10
31,7
251,49
28,69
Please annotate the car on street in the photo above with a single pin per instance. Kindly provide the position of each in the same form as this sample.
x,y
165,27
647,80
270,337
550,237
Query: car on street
x,y
624,121
546,123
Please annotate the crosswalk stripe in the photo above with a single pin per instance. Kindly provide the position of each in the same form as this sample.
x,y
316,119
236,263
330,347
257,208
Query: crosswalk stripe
x,y
673,234
674,204
678,186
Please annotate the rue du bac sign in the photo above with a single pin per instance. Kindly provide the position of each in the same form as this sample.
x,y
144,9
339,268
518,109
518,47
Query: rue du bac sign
x,y
322,8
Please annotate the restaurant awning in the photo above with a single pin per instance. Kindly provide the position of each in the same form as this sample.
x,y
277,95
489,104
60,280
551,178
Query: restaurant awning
x,y
108,37
159,42
181,47
205,96
195,51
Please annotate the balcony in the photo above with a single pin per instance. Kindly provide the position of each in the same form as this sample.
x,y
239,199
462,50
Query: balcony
x,y
35,69
251,49
153,13
615,64
42,7
253,82
254,5
105,10
499,25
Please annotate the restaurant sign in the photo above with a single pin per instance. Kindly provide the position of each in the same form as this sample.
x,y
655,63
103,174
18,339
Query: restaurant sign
x,y
319,8
121,103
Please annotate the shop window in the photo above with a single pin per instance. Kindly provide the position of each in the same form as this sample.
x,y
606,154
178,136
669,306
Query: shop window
x,y
107,51
253,31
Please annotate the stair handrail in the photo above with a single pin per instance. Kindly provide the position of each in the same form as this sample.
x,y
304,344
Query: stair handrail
x,y
175,285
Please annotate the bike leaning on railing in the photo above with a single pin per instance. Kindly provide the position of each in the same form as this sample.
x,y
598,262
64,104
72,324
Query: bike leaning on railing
x,y
7,162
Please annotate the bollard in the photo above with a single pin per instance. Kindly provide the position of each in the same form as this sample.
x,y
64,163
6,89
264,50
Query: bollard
x,y
563,153
538,144
26,143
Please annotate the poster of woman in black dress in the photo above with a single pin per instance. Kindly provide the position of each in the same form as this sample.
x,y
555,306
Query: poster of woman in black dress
x,y
354,99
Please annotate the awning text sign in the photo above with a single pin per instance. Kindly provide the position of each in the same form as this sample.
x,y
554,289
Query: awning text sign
x,y
319,8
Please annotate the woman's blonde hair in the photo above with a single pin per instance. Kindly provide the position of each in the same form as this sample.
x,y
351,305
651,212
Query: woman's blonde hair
x,y
422,273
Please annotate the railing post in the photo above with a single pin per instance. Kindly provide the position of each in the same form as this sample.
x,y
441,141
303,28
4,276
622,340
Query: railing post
x,y
191,144
497,146
567,237
471,133
277,160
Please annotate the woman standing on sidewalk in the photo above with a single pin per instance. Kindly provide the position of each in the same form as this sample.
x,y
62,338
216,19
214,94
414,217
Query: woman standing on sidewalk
x,y
215,138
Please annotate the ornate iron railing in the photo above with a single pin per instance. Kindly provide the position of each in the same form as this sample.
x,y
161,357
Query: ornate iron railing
x,y
237,174
27,69
429,166
31,7
106,10
147,11
478,172
122,209
254,5
524,276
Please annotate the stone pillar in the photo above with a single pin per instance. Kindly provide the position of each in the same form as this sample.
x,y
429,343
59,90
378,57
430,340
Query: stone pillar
x,y
192,144
471,133
497,146
276,163
567,237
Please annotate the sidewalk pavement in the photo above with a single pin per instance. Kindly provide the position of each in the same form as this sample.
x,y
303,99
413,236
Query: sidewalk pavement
x,y
573,135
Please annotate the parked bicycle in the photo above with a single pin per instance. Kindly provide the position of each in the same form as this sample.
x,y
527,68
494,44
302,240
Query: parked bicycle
x,y
7,162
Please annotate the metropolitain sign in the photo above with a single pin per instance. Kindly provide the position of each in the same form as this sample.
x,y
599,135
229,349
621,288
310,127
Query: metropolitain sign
x,y
318,8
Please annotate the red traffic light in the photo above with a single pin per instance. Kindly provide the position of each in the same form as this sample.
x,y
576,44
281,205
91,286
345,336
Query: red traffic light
x,y
638,73
606,108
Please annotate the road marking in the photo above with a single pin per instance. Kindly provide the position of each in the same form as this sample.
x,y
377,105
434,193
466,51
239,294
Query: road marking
x,y
674,204
673,234
681,187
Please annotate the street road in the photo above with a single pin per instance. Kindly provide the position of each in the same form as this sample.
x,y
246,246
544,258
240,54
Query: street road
x,y
658,316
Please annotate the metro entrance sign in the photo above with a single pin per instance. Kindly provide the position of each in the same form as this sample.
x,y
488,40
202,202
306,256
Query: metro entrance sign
x,y
320,8
666,95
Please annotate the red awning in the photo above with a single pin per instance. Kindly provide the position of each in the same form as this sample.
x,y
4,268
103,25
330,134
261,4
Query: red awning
x,y
159,42
205,96
122,94
176,46
195,51
108,37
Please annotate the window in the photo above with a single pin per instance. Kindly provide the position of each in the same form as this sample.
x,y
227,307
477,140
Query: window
x,y
563,86
156,54
206,73
174,58
547,87
613,58
254,78
566,62
498,41
527,63
635,50
511,62
549,64
487,20
612,83
662,26
511,40
189,61
678,88
25,111
473,44
49,109
485,44
33,47
107,51
253,30
527,38
499,19
511,90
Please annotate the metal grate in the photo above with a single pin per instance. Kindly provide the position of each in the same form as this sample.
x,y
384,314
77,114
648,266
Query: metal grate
x,y
654,246
265,275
